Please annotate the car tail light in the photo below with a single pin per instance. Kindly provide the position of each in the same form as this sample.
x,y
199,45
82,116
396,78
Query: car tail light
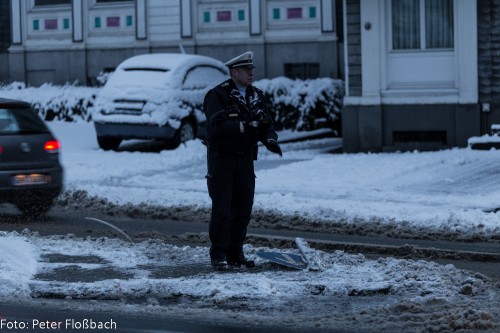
x,y
52,146
1,149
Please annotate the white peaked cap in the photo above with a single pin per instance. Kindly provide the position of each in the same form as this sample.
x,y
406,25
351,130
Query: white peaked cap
x,y
243,60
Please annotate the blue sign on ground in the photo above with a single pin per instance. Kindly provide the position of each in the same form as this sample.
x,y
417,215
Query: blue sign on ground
x,y
287,259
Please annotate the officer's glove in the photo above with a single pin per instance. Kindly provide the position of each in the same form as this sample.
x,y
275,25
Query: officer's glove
x,y
261,116
249,125
253,123
273,147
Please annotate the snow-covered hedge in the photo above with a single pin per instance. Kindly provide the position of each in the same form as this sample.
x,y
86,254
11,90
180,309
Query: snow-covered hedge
x,y
304,104
65,103
296,104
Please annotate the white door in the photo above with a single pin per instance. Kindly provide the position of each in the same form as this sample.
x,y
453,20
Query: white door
x,y
420,45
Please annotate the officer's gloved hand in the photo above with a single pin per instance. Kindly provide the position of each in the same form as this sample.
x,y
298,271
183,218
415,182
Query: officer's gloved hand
x,y
253,123
261,117
273,147
250,125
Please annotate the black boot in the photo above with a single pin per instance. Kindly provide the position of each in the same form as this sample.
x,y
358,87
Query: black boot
x,y
219,264
241,261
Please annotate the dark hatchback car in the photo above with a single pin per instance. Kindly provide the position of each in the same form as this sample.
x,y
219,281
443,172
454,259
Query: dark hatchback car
x,y
31,176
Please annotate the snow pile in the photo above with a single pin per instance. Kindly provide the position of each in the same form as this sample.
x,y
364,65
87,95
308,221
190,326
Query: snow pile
x,y
18,264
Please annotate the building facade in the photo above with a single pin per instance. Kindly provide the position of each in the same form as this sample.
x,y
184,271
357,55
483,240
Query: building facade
x,y
62,41
411,74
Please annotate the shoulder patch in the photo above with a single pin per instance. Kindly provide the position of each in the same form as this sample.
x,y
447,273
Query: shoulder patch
x,y
225,84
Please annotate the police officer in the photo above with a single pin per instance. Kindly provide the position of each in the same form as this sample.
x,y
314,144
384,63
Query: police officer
x,y
237,119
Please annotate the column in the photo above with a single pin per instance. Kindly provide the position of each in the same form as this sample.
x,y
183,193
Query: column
x,y
186,25
140,20
466,50
327,15
77,21
15,6
255,23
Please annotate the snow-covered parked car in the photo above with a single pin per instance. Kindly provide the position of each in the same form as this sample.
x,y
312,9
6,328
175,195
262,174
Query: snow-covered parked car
x,y
156,96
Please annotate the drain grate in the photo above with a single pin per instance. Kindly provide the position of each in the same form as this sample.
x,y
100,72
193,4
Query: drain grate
x,y
67,259
74,273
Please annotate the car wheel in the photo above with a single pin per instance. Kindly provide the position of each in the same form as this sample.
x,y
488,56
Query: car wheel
x,y
34,208
185,133
108,143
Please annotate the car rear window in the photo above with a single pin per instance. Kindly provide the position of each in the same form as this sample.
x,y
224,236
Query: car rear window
x,y
25,121
145,69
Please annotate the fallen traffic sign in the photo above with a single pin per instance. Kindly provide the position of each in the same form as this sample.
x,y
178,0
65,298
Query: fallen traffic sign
x,y
286,259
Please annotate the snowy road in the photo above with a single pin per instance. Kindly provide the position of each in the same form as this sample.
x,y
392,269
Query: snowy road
x,y
62,313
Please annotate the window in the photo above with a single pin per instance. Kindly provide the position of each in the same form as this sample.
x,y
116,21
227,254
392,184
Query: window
x,y
276,13
39,3
220,15
206,17
302,70
422,24
419,136
288,14
105,1
51,24
294,13
17,120
130,21
312,12
113,21
215,17
241,15
224,16
7,121
203,76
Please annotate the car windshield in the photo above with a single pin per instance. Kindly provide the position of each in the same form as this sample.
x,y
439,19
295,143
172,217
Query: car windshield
x,y
141,76
16,121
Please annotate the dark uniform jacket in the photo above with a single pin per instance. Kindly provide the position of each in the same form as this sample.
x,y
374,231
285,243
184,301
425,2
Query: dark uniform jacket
x,y
225,108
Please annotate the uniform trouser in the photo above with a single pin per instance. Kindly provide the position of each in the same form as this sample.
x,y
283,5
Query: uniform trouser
x,y
231,186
